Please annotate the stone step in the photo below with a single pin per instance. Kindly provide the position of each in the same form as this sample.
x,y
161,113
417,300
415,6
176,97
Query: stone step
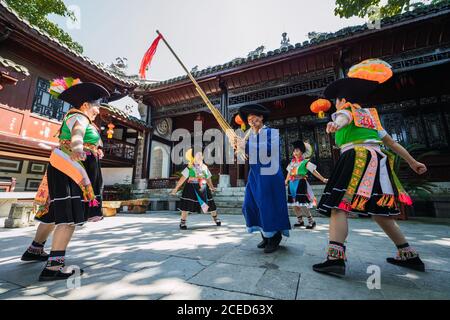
x,y
226,194
222,204
218,197
238,211
233,211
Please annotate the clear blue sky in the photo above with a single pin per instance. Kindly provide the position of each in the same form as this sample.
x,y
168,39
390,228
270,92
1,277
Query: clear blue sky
x,y
202,32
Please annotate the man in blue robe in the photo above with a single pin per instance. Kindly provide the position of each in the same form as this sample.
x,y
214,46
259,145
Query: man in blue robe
x,y
265,208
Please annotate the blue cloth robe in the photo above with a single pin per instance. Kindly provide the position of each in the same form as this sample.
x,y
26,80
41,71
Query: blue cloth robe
x,y
265,207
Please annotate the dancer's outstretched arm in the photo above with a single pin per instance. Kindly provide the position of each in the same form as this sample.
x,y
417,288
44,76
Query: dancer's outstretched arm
x,y
288,177
210,185
178,186
319,176
415,165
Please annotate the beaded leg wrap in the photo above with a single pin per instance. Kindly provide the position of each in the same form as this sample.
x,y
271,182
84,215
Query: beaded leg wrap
x,y
183,225
335,263
35,252
36,248
300,222
407,257
406,252
56,259
336,251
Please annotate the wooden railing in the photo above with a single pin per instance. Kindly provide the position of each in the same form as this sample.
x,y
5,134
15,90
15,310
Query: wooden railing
x,y
119,149
162,183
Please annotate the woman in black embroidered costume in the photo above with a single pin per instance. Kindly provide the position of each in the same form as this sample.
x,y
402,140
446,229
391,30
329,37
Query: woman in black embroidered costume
x,y
363,181
197,191
70,193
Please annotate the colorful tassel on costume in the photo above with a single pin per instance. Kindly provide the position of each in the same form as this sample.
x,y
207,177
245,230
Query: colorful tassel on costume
x,y
387,200
359,203
405,198
94,203
358,170
345,206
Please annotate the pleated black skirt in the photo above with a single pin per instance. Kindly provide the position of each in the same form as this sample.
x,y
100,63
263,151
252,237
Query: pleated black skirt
x,y
189,201
66,198
339,181
301,196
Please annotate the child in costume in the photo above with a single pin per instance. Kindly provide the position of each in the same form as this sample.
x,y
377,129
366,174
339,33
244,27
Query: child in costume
x,y
197,192
363,180
265,208
70,192
300,193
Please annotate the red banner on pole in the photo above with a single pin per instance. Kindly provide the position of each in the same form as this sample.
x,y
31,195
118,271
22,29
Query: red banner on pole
x,y
147,59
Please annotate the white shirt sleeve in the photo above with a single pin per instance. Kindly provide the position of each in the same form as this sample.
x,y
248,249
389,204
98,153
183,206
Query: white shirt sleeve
x,y
382,133
289,167
311,167
208,173
185,172
82,120
342,117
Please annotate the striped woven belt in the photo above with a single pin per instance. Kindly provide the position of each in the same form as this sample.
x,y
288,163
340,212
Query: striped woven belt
x,y
90,149
368,145
298,177
197,180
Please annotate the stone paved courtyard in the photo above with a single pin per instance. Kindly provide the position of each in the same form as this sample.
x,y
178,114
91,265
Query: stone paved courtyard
x,y
147,257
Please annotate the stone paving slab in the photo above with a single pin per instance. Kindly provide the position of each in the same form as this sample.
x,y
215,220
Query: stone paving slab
x,y
146,256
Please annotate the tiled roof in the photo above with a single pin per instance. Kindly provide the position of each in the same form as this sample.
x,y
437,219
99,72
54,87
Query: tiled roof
x,y
11,64
124,115
442,8
68,50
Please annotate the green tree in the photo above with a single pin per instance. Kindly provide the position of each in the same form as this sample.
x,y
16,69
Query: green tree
x,y
36,12
361,8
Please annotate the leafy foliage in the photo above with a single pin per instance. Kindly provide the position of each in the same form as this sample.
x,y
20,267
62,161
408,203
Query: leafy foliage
x,y
419,187
36,12
361,8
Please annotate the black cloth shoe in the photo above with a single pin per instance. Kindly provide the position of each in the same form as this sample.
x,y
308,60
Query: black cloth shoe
x,y
54,275
217,221
412,263
298,225
311,226
28,256
263,243
333,267
183,227
273,243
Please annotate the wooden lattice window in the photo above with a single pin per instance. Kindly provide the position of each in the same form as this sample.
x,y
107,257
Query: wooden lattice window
x,y
46,105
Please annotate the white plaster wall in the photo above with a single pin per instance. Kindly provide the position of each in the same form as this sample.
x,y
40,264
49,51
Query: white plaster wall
x,y
163,163
112,176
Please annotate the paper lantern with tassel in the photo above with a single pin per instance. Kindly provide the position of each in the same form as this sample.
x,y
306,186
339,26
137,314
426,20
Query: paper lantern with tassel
x,y
320,106
372,69
110,131
240,122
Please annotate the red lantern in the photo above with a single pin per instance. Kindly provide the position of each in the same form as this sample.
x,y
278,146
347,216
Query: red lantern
x,y
320,106
110,131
